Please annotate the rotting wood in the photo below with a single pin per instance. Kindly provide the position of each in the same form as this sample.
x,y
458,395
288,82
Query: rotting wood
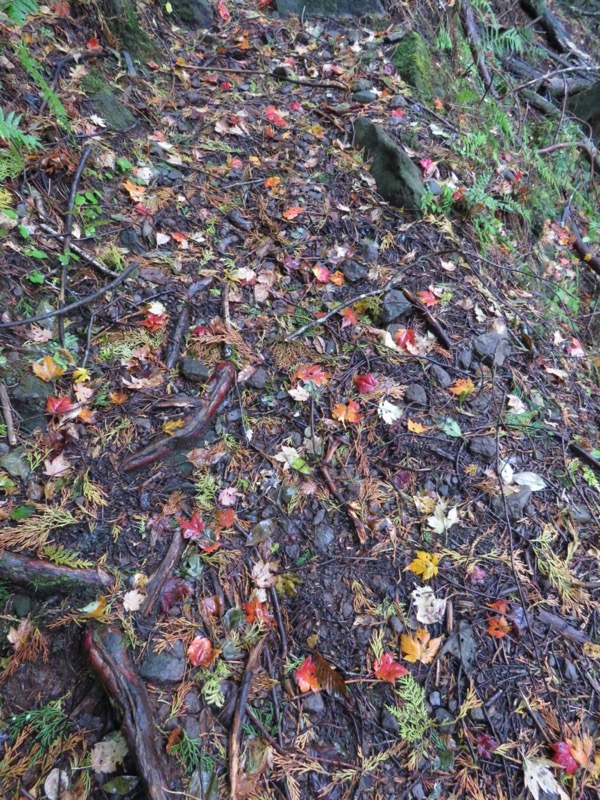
x,y
44,577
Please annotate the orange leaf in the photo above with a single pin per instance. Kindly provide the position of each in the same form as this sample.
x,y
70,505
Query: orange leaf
x,y
272,182
275,117
581,750
337,278
321,273
311,372
134,191
500,606
350,318
118,397
329,678
47,369
498,627
293,212
427,298
201,652
306,676
415,427
58,405
347,413
225,517
387,669
173,739
258,612
223,11
462,388
420,646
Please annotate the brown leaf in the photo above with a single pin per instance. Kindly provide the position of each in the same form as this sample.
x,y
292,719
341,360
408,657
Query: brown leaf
x,y
329,678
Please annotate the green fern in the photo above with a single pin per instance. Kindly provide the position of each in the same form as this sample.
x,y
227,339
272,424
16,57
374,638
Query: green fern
x,y
52,100
211,680
66,558
18,10
16,143
413,718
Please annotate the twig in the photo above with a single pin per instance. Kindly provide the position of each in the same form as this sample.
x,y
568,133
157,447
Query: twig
x,y
158,580
590,151
8,417
361,531
67,236
79,250
83,301
435,325
238,718
592,261
561,626
80,55
183,322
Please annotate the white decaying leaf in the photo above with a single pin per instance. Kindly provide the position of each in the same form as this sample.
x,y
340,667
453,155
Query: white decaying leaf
x,y
263,577
429,608
389,412
290,457
441,522
506,472
133,600
108,754
56,782
531,479
539,779
516,405
299,394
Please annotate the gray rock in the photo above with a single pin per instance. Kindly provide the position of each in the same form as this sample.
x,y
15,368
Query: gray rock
x,y
330,8
394,37
433,186
394,306
21,605
580,514
191,702
444,719
191,726
399,101
324,537
415,393
435,698
491,348
477,714
107,105
398,179
362,85
515,504
314,704
194,370
396,624
418,792
442,377
483,447
287,494
365,97
568,670
389,722
166,666
464,358
353,271
369,250
30,388
194,13
259,378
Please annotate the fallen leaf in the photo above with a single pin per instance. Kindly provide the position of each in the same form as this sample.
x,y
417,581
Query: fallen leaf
x,y
106,755
133,600
419,646
306,676
172,425
228,496
389,412
264,578
201,653
462,388
415,427
293,212
257,612
47,369
312,373
225,517
486,745
290,457
329,678
299,394
406,339
347,413
57,466
350,318
321,273
429,608
538,778
134,191
562,756
516,405
388,669
275,118
428,298
58,405
498,627
531,479
367,383
191,528
425,564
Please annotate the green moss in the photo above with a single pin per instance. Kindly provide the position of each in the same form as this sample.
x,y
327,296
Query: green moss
x,y
413,61
93,83
123,22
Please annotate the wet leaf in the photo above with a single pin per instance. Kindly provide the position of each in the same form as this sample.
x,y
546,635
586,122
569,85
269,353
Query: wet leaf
x,y
429,608
329,678
539,779
367,383
498,627
293,212
388,669
419,646
201,652
106,755
462,388
349,412
306,676
312,373
58,405
486,745
562,756
47,369
425,564
415,427
191,528
257,611
349,318
225,517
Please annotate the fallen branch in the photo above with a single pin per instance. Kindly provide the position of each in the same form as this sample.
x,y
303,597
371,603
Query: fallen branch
x,y
79,250
158,580
183,322
238,719
472,33
45,577
560,625
555,33
220,384
112,664
361,531
83,301
592,261
433,323
11,436
279,74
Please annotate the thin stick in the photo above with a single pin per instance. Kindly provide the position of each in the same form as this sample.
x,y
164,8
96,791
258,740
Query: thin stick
x,y
238,719
8,417
79,250
83,301
439,331
67,237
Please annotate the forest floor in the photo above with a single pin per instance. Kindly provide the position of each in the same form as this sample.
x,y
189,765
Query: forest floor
x,y
370,568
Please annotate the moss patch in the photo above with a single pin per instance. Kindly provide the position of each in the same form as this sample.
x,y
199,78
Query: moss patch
x,y
413,61
124,24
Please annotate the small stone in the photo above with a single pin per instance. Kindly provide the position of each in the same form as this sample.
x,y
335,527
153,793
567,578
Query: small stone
x,y
365,97
259,378
194,370
362,85
568,670
287,494
347,610
415,393
442,377
21,605
191,702
483,447
515,504
477,714
491,348
396,624
395,305
394,37
191,726
398,101
389,722
445,720
314,704
169,665
353,271
324,537
580,514
433,186
369,250
435,698
418,792
464,358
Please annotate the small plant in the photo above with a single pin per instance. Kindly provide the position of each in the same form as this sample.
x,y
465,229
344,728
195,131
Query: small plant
x,y
51,99
18,10
211,679
46,725
414,722
16,143
188,753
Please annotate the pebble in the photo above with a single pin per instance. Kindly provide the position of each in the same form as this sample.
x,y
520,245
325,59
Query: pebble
x,y
362,85
394,306
444,719
442,377
353,271
389,722
258,379
415,393
483,447
435,698
399,101
314,705
324,538
169,665
491,348
364,97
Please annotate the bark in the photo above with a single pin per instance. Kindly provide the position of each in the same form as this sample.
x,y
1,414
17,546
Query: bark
x,y
45,577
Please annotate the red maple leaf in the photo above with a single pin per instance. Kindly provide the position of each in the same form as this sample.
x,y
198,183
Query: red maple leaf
x,y
93,43
311,372
500,606
175,589
498,627
350,318
225,517
275,117
223,11
257,612
192,528
388,669
486,745
562,756
405,338
427,298
366,383
58,405
321,273
154,322
306,676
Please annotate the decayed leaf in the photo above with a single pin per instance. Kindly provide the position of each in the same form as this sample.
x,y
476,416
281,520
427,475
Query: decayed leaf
x,y
57,466
425,564
539,778
263,577
133,600
108,754
329,678
348,412
440,522
56,784
516,405
531,479
419,646
389,412
47,369
290,457
201,653
388,669
429,608
313,373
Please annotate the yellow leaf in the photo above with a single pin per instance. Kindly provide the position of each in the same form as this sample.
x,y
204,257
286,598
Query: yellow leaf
x,y
420,646
47,369
81,374
171,426
96,609
415,427
462,388
134,191
591,650
425,564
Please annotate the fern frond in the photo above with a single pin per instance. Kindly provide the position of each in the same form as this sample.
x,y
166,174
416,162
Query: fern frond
x,y
18,10
52,99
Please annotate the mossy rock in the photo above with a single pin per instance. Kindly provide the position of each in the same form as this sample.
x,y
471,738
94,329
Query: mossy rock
x,y
412,59
330,8
586,106
108,106
398,179
122,19
194,13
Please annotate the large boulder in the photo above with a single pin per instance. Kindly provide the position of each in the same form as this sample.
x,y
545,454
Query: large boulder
x,y
398,179
194,13
330,8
